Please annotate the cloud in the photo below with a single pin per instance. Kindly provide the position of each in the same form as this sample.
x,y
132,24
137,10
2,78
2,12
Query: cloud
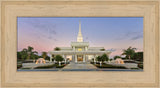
x,y
43,27
136,37
52,31
49,37
55,39
86,38
130,36
111,50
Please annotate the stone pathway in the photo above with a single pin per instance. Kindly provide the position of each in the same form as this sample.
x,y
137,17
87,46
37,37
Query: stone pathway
x,y
79,66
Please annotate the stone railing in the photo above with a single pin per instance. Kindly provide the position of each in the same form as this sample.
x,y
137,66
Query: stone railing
x,y
33,65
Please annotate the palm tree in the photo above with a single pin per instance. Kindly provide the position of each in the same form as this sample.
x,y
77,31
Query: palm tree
x,y
129,52
24,54
138,56
34,55
44,55
115,57
57,49
29,51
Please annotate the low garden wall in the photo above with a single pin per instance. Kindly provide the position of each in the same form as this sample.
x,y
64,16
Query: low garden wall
x,y
33,65
127,65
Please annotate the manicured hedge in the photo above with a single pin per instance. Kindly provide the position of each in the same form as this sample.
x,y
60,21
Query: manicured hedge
x,y
19,66
110,66
51,66
140,66
43,67
25,68
57,66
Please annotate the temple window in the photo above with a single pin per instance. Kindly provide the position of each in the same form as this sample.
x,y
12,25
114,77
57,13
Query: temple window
x,y
79,49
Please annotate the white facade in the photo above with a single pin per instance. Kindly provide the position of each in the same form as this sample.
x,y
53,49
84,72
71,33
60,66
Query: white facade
x,y
80,51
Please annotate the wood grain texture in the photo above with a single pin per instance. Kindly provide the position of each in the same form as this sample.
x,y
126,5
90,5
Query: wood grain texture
x,y
148,78
0,45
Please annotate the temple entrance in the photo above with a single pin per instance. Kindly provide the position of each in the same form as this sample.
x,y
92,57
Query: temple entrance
x,y
79,58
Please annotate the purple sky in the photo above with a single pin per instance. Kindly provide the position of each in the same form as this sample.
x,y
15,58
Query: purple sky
x,y
112,33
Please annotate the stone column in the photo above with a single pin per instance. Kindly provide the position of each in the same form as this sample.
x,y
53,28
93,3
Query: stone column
x,y
65,59
94,59
73,48
54,60
72,58
64,56
84,58
75,58
86,49
50,57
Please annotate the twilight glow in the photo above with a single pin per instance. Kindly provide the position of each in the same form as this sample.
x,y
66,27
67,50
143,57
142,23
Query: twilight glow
x,y
112,33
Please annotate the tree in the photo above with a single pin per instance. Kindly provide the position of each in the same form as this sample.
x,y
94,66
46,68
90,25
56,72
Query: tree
x,y
104,57
129,52
19,55
138,56
57,49
44,55
29,51
102,49
53,57
99,58
59,58
24,54
34,55
115,57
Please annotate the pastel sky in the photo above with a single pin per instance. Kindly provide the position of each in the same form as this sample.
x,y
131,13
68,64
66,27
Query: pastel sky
x,y
112,33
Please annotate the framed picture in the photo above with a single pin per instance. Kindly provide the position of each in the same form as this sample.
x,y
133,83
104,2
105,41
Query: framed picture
x,y
80,44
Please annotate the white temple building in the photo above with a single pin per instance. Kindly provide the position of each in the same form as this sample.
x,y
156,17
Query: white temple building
x,y
79,50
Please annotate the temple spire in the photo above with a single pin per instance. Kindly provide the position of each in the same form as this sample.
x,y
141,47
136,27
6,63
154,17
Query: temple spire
x,y
79,37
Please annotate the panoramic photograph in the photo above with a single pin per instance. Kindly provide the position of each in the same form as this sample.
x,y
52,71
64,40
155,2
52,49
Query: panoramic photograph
x,y
80,44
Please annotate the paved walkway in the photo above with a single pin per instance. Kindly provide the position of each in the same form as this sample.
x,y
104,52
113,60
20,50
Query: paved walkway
x,y
79,66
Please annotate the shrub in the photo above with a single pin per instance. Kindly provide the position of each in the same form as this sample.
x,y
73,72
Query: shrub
x,y
57,66
134,68
140,66
59,58
57,49
92,62
43,67
129,62
19,66
110,66
28,61
50,66
26,68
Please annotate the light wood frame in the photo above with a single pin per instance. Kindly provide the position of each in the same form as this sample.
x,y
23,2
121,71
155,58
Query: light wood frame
x,y
10,10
